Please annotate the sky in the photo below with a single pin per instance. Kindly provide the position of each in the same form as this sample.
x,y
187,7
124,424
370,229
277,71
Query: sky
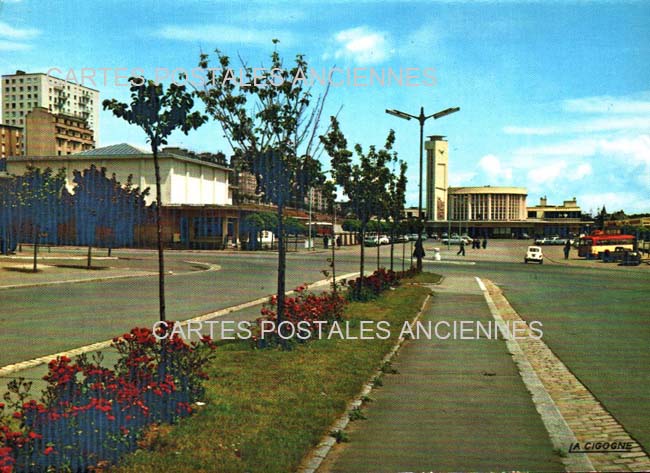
x,y
554,95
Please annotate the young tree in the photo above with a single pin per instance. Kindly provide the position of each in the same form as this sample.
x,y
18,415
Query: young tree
x,y
364,182
102,203
38,196
397,193
271,122
158,112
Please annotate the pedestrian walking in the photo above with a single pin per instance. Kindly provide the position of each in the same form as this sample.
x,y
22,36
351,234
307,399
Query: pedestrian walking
x,y
567,249
484,242
462,248
419,249
325,241
338,241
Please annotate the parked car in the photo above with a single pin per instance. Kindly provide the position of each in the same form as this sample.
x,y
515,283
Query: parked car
x,y
401,238
552,240
467,238
534,254
455,240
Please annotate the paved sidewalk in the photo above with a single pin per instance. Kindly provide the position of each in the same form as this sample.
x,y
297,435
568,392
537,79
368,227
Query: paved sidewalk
x,y
455,405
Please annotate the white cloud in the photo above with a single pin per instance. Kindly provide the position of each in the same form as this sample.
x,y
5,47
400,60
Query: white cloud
x,y
609,104
221,34
463,178
546,174
582,171
495,172
361,46
9,32
13,46
587,126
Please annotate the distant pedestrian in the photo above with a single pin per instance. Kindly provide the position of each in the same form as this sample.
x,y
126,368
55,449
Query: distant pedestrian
x,y
484,243
419,249
325,242
567,249
461,251
338,241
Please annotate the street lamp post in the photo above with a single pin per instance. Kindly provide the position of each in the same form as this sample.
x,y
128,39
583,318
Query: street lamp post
x,y
421,118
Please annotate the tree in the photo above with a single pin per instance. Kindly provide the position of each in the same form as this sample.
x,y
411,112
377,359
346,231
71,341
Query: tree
x,y
271,123
102,205
397,200
600,219
364,183
158,112
38,196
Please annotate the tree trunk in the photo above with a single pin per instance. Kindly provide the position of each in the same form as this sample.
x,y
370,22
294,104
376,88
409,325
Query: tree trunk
x,y
89,258
35,266
392,248
282,263
161,260
334,256
361,260
378,248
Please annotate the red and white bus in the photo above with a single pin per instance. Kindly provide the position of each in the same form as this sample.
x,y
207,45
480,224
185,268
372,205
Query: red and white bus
x,y
596,244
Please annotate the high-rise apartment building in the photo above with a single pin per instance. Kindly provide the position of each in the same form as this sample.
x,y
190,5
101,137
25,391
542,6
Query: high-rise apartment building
x,y
22,92
11,140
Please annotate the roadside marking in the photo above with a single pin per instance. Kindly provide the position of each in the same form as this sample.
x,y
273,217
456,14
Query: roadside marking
x,y
559,431
41,360
480,284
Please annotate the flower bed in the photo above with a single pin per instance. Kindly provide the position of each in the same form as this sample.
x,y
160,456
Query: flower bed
x,y
90,415
369,287
302,313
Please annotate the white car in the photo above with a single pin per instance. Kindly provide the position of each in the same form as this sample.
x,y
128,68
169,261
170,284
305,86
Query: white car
x,y
534,253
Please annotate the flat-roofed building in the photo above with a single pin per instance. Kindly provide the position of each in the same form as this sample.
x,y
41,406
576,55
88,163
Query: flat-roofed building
x,y
48,134
22,92
11,140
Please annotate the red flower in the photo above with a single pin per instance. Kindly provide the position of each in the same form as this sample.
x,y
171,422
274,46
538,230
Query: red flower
x,y
48,450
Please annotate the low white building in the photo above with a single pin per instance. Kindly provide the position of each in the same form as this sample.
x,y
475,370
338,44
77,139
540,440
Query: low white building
x,y
185,180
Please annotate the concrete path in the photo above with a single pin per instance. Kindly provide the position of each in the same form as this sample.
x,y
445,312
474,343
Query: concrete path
x,y
454,405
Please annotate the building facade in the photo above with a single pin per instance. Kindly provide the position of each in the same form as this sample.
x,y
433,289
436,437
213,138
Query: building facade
x,y
487,203
48,134
22,92
11,140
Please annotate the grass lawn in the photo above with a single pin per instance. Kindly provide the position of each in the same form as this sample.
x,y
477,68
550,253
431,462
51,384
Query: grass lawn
x,y
597,323
266,408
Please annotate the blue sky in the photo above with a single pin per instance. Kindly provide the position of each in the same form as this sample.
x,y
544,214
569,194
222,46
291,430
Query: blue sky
x,y
554,96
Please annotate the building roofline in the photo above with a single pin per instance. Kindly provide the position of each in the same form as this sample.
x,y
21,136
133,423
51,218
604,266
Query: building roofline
x,y
48,75
107,157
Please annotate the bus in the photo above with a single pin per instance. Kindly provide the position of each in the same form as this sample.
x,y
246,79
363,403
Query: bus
x,y
598,243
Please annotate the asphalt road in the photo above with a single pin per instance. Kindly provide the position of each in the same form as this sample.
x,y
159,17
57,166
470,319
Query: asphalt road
x,y
595,318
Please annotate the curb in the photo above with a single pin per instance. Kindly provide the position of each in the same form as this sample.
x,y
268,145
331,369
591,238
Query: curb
x,y
558,430
41,360
312,461
143,274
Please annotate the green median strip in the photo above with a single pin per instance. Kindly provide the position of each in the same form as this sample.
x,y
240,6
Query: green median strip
x,y
265,409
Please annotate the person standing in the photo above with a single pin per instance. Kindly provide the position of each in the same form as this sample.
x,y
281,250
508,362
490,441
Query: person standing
x,y
567,249
484,242
462,248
